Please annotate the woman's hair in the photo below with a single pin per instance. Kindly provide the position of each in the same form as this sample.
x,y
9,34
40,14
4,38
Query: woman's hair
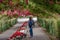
x,y
30,18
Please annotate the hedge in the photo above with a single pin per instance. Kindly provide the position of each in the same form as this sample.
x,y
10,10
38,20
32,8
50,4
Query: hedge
x,y
5,24
52,25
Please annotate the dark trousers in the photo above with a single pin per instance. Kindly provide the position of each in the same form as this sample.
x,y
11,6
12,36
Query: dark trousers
x,y
31,32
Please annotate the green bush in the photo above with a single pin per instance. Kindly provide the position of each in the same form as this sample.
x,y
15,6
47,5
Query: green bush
x,y
57,8
5,24
51,25
2,6
39,1
58,28
0,26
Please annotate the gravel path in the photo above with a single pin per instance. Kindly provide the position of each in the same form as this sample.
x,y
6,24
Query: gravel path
x,y
39,34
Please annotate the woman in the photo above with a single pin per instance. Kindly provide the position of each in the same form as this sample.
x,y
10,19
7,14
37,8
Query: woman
x,y
30,24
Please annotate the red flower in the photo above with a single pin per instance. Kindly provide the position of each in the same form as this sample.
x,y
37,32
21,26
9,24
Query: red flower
x,y
27,1
27,12
51,2
18,11
1,1
17,33
10,3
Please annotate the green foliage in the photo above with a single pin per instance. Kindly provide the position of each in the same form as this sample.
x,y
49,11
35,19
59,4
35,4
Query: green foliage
x,y
57,8
45,3
39,1
5,4
6,23
38,9
52,25
58,28
2,6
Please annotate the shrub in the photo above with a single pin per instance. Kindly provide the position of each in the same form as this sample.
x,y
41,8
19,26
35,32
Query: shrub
x,y
57,8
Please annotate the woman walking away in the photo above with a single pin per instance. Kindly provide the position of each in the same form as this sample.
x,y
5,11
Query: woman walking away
x,y
30,24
